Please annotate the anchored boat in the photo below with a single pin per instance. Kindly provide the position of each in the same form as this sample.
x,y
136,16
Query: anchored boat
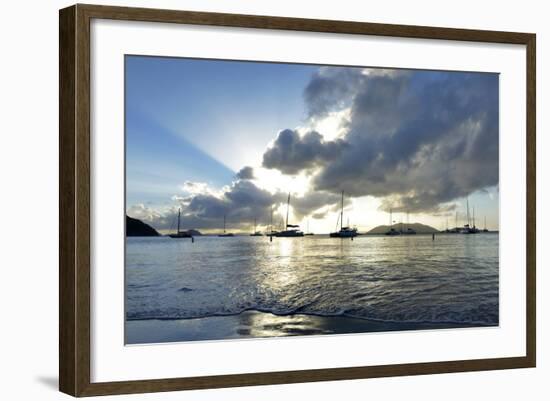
x,y
467,229
256,233
409,230
307,230
225,234
292,230
178,233
344,232
392,231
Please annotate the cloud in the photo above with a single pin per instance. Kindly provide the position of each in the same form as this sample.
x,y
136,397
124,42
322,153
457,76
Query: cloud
x,y
158,219
330,89
417,139
311,202
246,173
240,203
199,188
292,152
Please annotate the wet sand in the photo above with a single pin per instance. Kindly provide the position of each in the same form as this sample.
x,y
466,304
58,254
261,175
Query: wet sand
x,y
254,324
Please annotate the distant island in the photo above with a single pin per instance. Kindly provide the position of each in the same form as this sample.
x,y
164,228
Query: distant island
x,y
419,228
137,228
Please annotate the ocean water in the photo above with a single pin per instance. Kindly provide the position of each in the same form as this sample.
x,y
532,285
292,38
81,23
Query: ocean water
x,y
453,279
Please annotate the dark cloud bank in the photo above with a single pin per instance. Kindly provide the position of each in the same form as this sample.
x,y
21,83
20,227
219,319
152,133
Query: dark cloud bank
x,y
416,139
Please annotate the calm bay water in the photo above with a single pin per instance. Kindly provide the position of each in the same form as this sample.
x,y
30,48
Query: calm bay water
x,y
453,279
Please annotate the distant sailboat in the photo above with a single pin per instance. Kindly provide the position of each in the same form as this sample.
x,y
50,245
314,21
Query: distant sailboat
x,y
485,225
409,230
307,230
225,234
294,230
271,231
446,226
178,233
467,229
456,229
392,231
344,232
256,233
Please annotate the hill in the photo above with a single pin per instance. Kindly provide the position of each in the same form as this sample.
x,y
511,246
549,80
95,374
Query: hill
x,y
419,228
137,228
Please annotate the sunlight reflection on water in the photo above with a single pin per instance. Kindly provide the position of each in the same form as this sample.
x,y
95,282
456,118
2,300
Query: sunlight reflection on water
x,y
403,279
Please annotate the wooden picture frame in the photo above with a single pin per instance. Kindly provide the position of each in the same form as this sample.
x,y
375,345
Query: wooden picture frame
x,y
74,199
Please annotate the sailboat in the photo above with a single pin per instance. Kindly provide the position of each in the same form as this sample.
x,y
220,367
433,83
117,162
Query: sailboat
x,y
467,229
456,229
307,230
225,234
178,233
392,231
256,233
447,226
409,230
485,225
291,230
271,231
344,232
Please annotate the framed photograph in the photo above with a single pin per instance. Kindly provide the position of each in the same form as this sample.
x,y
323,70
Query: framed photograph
x,y
250,200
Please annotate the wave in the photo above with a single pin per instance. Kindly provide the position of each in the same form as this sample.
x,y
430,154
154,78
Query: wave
x,y
299,311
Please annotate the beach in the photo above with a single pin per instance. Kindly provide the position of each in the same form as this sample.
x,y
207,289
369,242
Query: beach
x,y
255,324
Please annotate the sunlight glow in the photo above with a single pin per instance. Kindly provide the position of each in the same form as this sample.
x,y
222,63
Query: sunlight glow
x,y
332,126
274,181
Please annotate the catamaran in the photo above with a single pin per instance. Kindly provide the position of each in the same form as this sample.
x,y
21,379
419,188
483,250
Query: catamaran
x,y
292,230
256,233
467,229
344,232
225,234
178,233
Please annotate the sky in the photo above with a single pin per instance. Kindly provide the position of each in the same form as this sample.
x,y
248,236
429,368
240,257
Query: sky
x,y
234,138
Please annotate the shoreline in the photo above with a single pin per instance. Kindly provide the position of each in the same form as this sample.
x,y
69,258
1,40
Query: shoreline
x,y
255,324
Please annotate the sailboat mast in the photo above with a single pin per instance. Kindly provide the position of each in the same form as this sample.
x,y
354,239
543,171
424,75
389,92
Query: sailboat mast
x,y
179,214
468,210
391,220
342,213
474,216
224,223
271,221
287,207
